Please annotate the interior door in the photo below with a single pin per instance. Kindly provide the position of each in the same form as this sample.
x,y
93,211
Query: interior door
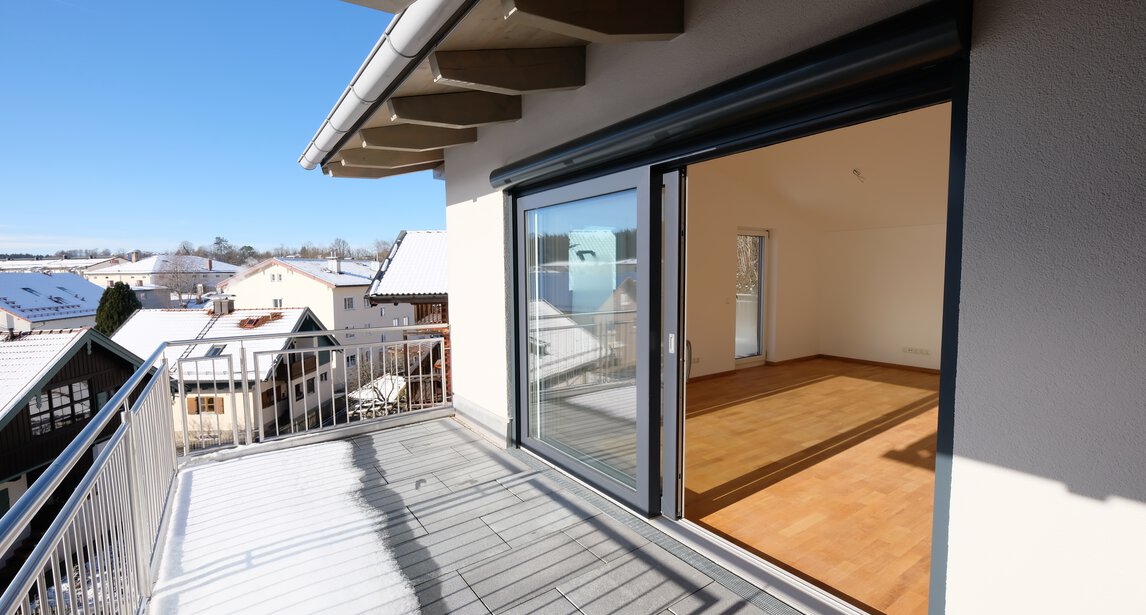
x,y
585,317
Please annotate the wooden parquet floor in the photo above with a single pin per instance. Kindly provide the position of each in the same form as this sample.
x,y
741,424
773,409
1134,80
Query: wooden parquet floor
x,y
824,467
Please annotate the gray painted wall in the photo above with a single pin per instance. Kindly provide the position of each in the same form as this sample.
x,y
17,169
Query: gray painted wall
x,y
1049,479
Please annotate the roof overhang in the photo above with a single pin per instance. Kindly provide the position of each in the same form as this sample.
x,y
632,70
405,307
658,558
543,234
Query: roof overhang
x,y
445,68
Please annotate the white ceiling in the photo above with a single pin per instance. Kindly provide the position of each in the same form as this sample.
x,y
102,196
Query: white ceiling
x,y
903,160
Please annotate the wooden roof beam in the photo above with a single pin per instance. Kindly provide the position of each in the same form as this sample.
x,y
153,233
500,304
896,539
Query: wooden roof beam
x,y
457,110
601,21
387,159
511,71
335,169
415,138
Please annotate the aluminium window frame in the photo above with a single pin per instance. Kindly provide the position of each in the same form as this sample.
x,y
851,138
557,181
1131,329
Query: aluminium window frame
x,y
645,497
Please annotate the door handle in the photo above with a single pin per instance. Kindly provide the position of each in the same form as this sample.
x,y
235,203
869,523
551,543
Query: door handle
x,y
687,359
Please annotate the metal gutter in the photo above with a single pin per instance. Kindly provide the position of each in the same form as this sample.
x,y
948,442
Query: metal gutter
x,y
407,41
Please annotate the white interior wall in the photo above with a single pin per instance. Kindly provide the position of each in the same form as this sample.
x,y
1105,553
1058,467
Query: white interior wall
x,y
880,291
720,201
854,267
1048,499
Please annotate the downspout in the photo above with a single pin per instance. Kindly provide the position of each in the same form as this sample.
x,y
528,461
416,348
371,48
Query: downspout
x,y
407,41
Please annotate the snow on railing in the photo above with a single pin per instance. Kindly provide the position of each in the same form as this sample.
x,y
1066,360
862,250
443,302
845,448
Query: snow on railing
x,y
98,553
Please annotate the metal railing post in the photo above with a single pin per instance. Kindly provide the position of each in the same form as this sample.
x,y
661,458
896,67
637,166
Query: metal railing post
x,y
183,408
142,557
234,407
248,401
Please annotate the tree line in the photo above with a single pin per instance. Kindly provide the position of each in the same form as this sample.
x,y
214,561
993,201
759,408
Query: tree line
x,y
223,250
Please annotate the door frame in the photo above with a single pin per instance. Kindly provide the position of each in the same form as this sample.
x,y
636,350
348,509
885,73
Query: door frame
x,y
645,497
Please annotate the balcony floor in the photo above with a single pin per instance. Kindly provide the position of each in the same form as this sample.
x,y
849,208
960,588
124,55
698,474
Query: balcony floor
x,y
472,528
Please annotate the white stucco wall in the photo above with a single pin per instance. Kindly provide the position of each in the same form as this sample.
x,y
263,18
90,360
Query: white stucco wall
x,y
1048,508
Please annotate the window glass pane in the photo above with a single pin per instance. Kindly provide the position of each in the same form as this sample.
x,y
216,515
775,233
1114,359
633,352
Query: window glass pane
x,y
61,416
581,290
61,397
80,390
748,295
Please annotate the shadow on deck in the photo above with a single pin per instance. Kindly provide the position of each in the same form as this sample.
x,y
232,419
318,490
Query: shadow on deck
x,y
473,528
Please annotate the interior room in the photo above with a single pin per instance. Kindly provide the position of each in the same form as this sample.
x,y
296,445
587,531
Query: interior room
x,y
813,313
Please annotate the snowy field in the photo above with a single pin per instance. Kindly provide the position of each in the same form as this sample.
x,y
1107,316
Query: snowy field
x,y
280,532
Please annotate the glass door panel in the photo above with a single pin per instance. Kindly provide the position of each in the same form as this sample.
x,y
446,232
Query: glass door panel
x,y
583,313
749,295
582,324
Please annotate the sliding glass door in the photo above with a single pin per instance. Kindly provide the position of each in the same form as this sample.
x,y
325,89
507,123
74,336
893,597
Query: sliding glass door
x,y
583,313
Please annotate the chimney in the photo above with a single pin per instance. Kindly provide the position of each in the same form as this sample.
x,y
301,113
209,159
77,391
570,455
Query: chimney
x,y
222,307
210,265
334,264
135,256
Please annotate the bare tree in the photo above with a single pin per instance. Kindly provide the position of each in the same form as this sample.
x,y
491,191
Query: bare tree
x,y
381,249
179,273
340,248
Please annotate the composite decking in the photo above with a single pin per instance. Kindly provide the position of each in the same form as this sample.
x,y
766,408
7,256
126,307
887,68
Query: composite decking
x,y
477,529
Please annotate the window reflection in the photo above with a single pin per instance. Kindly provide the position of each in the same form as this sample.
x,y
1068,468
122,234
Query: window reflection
x,y
581,288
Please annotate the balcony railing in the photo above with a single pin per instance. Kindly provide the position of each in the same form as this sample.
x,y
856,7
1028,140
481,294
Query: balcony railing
x,y
99,553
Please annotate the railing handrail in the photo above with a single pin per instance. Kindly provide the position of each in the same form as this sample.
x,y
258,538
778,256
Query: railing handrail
x,y
292,335
18,518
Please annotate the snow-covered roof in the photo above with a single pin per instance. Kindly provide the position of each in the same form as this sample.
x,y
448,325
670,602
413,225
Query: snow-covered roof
x,y
416,267
25,359
28,358
171,262
146,329
352,272
40,297
53,264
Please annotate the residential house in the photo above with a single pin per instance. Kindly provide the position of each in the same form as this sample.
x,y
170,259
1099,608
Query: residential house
x,y
414,272
47,301
184,274
929,216
59,265
334,289
51,383
230,383
153,297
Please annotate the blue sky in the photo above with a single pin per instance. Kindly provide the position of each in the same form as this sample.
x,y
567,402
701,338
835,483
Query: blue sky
x,y
133,124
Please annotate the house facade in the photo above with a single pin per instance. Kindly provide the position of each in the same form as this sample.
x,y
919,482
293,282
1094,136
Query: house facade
x,y
37,300
231,385
182,273
1013,407
59,265
334,289
51,383
414,272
